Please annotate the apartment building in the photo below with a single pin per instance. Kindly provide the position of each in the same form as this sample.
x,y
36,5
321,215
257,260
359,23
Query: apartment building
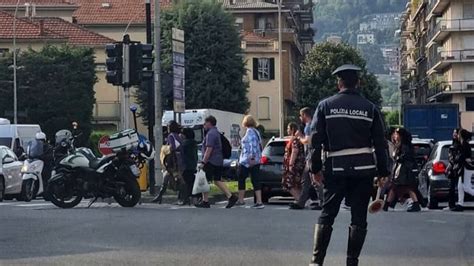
x,y
258,22
442,35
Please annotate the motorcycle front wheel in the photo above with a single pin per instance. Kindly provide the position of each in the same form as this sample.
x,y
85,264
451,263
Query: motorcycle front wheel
x,y
129,194
28,188
63,197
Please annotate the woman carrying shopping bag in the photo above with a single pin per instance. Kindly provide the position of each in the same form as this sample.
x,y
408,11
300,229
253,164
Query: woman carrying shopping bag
x,y
465,182
250,161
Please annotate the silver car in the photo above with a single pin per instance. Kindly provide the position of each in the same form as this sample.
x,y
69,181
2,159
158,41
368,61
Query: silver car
x,y
10,174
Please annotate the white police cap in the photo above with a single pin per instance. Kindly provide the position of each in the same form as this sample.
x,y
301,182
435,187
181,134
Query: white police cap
x,y
347,67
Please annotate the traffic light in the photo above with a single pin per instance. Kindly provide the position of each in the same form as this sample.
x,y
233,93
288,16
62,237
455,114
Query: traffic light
x,y
141,63
114,63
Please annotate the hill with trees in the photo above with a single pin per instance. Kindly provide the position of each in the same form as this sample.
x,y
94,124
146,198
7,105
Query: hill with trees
x,y
342,17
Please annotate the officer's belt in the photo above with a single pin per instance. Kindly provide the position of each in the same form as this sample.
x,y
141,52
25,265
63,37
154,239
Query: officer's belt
x,y
347,152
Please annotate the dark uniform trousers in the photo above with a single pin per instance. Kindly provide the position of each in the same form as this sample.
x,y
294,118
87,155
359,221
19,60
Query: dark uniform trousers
x,y
356,189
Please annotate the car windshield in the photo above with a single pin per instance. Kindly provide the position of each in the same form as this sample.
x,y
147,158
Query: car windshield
x,y
35,149
445,152
422,150
276,148
6,142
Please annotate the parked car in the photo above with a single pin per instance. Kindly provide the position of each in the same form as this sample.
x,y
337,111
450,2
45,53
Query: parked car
x,y
271,169
231,165
433,183
10,174
423,148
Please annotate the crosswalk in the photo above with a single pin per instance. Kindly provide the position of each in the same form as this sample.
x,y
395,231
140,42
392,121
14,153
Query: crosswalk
x,y
278,205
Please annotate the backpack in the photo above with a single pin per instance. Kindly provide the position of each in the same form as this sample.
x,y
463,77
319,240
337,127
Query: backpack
x,y
226,147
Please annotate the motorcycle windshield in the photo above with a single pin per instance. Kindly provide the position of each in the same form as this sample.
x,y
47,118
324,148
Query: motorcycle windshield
x,y
35,149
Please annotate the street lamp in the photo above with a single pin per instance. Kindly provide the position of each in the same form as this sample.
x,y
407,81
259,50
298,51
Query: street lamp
x,y
280,76
15,102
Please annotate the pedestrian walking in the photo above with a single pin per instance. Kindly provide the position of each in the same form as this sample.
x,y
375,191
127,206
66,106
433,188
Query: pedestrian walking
x,y
465,182
454,170
173,162
350,128
306,116
251,145
293,163
190,160
404,180
213,160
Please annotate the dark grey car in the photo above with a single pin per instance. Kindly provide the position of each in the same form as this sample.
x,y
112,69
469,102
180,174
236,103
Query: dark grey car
x,y
433,183
271,168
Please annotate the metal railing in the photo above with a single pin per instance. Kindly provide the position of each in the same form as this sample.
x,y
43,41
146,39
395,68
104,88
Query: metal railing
x,y
452,55
107,110
451,25
452,86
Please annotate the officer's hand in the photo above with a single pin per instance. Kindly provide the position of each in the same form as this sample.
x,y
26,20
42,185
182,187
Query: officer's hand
x,y
317,179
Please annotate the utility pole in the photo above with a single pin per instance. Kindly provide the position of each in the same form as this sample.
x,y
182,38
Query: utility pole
x,y
280,76
15,85
151,98
158,107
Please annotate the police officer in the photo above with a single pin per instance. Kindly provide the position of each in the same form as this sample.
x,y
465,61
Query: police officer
x,y
349,129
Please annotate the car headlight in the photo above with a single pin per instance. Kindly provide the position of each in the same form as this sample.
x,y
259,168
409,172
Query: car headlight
x,y
24,168
233,164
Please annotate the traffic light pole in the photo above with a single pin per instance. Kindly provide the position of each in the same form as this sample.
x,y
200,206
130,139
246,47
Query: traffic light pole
x,y
151,96
158,107
126,81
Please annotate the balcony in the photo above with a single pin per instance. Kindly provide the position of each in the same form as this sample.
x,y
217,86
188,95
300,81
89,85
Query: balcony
x,y
444,59
436,8
107,111
444,28
288,35
448,88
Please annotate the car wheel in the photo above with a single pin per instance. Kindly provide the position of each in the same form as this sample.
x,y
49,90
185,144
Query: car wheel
x,y
432,201
2,189
266,197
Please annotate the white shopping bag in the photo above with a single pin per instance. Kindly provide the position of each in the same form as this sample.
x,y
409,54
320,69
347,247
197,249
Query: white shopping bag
x,y
200,184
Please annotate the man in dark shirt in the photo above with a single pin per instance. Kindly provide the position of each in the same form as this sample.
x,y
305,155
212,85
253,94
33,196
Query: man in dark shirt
x,y
213,161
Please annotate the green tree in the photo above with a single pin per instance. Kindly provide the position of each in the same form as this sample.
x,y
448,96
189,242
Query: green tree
x,y
317,82
214,65
55,87
374,57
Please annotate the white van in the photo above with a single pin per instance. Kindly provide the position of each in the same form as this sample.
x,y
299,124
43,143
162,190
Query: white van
x,y
22,133
227,122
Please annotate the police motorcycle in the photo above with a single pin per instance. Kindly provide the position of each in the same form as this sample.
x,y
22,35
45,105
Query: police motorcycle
x,y
80,174
32,170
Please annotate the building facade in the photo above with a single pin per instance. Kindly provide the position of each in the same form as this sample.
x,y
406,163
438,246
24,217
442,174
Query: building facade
x,y
442,33
257,21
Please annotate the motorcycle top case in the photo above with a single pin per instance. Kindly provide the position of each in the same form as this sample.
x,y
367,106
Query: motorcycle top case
x,y
126,139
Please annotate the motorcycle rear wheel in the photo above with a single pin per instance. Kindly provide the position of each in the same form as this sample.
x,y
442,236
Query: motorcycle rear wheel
x,y
129,195
61,198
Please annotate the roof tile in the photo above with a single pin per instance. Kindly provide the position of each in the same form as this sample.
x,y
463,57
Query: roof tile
x,y
25,29
113,11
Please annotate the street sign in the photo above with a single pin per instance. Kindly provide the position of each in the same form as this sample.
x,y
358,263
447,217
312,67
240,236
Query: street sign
x,y
179,106
178,47
178,59
179,96
178,34
104,146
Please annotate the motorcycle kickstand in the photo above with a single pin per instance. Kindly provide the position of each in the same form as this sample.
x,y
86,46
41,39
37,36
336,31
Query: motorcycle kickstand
x,y
92,202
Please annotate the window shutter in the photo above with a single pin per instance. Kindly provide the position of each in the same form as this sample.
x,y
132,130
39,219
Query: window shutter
x,y
272,68
255,68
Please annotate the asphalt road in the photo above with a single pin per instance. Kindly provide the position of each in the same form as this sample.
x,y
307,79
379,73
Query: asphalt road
x,y
38,233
